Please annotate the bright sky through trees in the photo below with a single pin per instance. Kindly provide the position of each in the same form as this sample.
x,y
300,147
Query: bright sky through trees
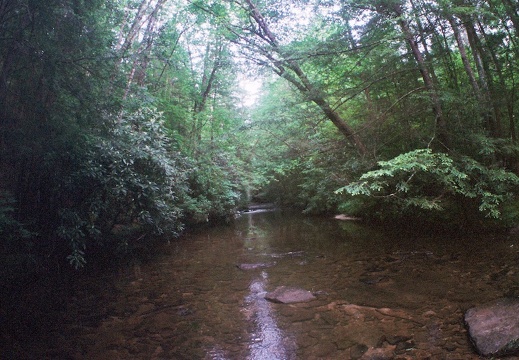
x,y
249,90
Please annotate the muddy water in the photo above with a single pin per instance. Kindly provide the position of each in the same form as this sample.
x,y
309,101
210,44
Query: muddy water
x,y
379,295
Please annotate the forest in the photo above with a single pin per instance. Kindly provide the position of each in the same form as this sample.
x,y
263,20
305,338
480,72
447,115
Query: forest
x,y
127,122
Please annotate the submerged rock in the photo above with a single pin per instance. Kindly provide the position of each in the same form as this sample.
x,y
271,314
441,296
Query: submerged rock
x,y
289,295
384,353
373,279
494,327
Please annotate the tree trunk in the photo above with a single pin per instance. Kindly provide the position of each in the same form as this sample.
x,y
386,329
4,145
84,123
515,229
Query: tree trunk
x,y
137,23
423,42
208,80
280,63
140,62
512,11
147,42
464,57
212,64
488,106
440,123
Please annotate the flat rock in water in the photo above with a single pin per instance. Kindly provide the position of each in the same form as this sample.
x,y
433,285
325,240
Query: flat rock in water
x,y
289,295
494,327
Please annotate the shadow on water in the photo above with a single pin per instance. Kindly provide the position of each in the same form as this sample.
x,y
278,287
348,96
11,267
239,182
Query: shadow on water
x,y
378,293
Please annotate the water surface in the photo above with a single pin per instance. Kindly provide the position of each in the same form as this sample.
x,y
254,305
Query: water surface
x,y
377,292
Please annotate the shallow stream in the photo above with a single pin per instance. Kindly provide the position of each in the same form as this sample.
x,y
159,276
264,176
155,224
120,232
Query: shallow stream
x,y
379,294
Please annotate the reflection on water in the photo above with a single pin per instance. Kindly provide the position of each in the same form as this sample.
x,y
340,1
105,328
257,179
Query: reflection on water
x,y
267,341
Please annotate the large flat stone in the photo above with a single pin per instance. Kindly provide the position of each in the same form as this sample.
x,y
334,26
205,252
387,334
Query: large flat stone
x,y
494,327
289,295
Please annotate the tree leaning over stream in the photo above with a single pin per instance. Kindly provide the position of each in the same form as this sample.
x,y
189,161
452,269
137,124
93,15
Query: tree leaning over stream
x,y
260,45
401,72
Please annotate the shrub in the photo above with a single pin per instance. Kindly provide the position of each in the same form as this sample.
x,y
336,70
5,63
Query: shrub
x,y
432,181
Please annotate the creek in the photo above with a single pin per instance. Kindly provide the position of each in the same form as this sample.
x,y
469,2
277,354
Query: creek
x,y
379,293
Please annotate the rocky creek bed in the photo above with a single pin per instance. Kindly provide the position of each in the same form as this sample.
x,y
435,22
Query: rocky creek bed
x,y
372,296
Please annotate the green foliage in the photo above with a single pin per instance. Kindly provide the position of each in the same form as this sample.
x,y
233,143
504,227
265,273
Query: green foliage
x,y
298,159
216,188
71,232
128,178
433,181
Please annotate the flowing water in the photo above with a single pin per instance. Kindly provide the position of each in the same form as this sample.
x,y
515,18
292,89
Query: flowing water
x,y
379,295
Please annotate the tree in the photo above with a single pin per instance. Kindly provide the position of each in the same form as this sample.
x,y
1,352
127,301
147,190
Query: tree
x,y
76,164
376,76
259,43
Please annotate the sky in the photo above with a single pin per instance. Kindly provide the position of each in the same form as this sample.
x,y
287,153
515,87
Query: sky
x,y
250,90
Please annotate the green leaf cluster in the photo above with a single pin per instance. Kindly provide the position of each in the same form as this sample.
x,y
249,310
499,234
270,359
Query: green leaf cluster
x,y
129,178
433,181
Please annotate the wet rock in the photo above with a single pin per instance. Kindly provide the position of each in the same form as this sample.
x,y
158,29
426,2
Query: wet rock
x,y
402,347
324,350
494,327
289,254
289,295
357,351
265,206
296,314
429,313
183,311
401,344
320,293
391,259
373,279
383,353
394,340
375,268
329,318
450,347
344,343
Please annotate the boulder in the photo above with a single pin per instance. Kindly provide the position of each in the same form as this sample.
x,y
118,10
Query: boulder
x,y
289,295
494,327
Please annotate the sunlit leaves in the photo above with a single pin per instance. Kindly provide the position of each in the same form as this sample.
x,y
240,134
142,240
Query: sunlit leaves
x,y
425,179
